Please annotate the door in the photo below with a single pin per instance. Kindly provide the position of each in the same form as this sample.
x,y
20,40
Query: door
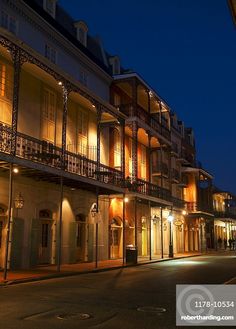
x,y
80,241
45,244
144,236
1,243
115,241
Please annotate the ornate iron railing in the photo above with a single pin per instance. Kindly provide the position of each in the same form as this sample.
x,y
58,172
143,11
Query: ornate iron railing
x,y
36,150
144,116
194,207
146,188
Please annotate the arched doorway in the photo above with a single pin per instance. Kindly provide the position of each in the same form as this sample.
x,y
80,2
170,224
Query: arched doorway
x,y
45,236
3,223
115,237
81,237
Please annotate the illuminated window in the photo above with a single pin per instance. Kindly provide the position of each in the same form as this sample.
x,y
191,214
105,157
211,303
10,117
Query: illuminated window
x,y
48,115
1,228
82,132
6,81
51,53
143,162
130,156
117,149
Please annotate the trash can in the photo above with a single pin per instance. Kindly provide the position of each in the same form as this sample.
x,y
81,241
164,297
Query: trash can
x,y
131,255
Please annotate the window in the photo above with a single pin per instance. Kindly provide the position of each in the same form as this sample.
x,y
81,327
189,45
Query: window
x,y
82,132
117,149
117,100
1,228
143,162
50,7
51,53
48,115
6,92
8,22
82,120
130,157
81,31
83,77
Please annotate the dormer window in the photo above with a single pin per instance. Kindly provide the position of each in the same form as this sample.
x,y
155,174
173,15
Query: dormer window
x,y
50,7
81,32
115,63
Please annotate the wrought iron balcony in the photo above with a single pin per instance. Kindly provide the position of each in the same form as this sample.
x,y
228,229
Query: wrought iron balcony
x,y
139,112
149,189
42,152
196,207
179,203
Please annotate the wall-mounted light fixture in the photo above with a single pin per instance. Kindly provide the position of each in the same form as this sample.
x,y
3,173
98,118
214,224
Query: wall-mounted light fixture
x,y
19,201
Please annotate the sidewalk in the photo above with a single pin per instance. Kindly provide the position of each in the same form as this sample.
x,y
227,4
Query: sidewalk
x,y
47,272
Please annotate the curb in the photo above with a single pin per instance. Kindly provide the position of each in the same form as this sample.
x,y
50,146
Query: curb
x,y
95,270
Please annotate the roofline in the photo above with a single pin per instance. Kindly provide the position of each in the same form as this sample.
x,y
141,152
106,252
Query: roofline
x,y
53,23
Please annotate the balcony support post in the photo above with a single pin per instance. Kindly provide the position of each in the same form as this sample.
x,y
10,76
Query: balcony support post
x,y
124,235
150,231
122,149
149,157
18,61
60,227
66,89
99,117
135,224
134,97
134,150
162,253
9,221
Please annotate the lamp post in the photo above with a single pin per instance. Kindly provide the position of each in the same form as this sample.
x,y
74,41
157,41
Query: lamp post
x,y
170,219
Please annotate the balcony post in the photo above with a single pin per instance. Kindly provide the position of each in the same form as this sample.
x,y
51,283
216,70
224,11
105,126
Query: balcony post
x,y
18,61
124,235
150,230
134,150
9,220
122,160
149,102
60,226
149,157
99,117
65,93
134,96
162,253
135,224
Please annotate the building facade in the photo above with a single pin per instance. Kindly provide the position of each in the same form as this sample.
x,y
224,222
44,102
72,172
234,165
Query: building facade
x,y
93,161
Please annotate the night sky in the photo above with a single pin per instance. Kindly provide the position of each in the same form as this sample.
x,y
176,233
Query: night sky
x,y
186,51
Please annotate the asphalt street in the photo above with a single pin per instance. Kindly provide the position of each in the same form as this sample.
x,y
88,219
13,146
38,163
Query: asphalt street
x,y
128,298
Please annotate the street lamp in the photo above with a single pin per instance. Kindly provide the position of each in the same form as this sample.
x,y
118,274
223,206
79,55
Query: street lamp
x,y
170,219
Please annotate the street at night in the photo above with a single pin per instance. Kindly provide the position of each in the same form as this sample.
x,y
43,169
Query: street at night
x,y
124,298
